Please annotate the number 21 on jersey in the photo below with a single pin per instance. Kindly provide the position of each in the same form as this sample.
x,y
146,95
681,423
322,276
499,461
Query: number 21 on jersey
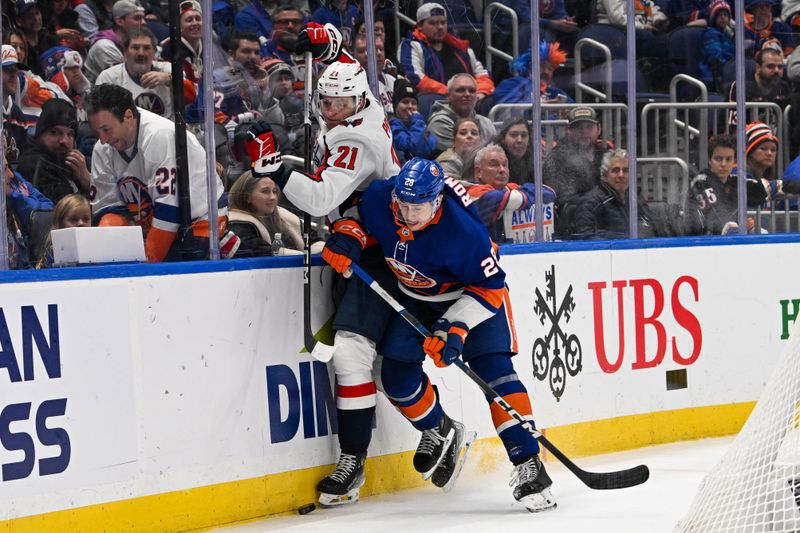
x,y
347,158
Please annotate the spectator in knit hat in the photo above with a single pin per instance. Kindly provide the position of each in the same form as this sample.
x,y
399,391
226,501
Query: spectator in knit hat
x,y
431,56
762,180
108,49
50,161
408,126
280,80
716,43
762,152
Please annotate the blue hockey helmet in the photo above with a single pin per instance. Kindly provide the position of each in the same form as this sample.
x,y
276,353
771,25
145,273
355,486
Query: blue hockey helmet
x,y
419,181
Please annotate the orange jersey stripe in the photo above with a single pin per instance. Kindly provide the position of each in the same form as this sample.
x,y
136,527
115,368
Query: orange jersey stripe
x,y
493,297
511,327
519,401
421,407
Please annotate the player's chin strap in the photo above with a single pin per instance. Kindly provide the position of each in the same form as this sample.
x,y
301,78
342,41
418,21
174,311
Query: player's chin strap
x,y
595,480
318,350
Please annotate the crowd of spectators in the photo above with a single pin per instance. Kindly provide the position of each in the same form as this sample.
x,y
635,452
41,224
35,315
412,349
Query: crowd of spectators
x,y
437,93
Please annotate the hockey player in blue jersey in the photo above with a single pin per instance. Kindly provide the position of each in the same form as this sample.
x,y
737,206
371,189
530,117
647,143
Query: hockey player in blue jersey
x,y
457,288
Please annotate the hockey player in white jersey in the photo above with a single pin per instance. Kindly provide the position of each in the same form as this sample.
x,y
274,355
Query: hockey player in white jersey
x,y
134,173
354,148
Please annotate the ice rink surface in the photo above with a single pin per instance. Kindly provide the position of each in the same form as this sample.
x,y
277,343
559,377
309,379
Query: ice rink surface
x,y
482,502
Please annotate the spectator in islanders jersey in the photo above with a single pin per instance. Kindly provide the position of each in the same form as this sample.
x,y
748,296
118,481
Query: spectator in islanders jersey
x,y
496,198
431,55
135,174
148,80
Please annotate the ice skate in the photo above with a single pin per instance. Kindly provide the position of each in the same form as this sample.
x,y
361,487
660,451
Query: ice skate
x,y
433,445
532,485
343,484
446,474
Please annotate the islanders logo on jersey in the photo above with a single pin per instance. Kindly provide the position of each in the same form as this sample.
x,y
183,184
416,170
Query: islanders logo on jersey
x,y
410,276
151,102
136,197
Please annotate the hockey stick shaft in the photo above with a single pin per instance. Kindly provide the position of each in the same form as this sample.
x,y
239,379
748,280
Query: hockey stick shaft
x,y
595,480
318,350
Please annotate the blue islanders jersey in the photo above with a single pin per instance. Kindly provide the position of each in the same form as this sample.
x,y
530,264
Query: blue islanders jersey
x,y
451,260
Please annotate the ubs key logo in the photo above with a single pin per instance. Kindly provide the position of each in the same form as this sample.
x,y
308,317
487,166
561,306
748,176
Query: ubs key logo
x,y
556,354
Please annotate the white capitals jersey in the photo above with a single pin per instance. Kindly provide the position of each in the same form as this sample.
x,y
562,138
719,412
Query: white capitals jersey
x,y
157,100
348,158
142,181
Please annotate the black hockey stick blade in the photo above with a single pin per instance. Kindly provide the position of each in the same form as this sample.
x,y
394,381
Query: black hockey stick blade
x,y
619,479
594,480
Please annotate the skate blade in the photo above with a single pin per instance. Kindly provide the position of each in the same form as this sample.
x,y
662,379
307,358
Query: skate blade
x,y
469,438
334,500
427,475
540,501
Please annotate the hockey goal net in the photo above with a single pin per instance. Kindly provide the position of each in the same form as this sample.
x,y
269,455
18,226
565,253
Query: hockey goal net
x,y
756,485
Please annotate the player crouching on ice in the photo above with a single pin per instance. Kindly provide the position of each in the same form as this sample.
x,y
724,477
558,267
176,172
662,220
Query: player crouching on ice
x,y
456,286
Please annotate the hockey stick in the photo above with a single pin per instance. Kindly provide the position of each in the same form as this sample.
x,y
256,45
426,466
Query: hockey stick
x,y
595,480
318,350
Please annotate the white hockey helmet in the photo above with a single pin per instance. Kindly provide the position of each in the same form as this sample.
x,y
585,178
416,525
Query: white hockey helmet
x,y
343,79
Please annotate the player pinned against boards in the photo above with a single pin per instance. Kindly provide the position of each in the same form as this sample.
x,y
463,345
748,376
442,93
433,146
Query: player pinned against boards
x,y
466,141
458,290
72,211
255,216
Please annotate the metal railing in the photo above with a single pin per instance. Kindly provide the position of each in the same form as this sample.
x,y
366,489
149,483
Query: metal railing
x,y
698,136
581,87
779,215
487,34
614,133
670,190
